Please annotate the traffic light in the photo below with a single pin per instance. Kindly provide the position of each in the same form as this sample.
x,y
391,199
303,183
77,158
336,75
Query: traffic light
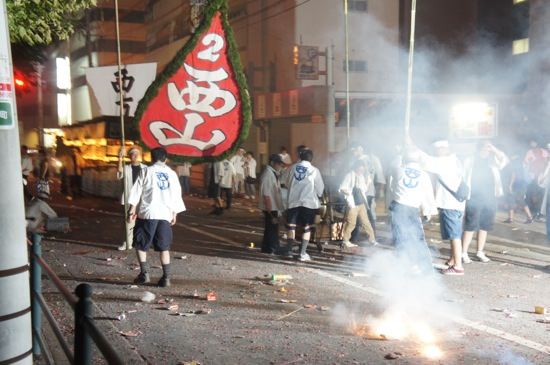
x,y
20,83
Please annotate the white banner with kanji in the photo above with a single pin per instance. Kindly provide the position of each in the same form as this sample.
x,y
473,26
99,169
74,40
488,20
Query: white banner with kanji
x,y
105,87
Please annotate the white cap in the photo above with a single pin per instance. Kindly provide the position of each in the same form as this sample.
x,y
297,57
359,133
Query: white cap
x,y
441,144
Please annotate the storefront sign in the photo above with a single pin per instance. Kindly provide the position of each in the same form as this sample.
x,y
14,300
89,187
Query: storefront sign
x,y
293,102
277,106
308,63
198,106
259,107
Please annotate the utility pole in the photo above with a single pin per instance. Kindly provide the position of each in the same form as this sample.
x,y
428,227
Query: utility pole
x,y
348,103
15,315
410,72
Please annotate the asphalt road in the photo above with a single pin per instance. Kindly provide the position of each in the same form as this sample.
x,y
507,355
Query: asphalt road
x,y
345,307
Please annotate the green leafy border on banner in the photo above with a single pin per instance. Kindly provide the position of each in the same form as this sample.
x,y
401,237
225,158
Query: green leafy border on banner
x,y
212,8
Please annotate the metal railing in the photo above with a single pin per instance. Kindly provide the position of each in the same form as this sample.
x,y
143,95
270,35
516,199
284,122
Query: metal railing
x,y
85,329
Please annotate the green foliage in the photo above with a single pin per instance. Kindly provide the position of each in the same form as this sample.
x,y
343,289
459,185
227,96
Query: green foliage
x,y
35,22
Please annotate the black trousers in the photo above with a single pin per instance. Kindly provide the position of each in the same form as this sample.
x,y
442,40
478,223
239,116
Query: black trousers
x,y
270,242
228,196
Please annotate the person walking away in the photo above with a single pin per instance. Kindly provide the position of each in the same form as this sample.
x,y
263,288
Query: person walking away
x,y
376,176
184,173
67,172
515,186
26,164
155,201
412,197
131,173
238,164
37,211
43,173
535,162
482,173
227,175
449,174
354,187
250,176
544,180
305,186
212,177
271,203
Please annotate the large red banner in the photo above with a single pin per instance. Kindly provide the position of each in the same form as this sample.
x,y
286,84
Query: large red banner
x,y
197,112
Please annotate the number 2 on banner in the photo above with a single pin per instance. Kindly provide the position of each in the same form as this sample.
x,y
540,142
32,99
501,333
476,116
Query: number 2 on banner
x,y
211,53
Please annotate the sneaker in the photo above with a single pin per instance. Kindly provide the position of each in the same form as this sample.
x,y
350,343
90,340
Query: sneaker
x,y
348,244
509,220
452,271
164,282
466,258
528,221
304,258
123,247
481,256
142,278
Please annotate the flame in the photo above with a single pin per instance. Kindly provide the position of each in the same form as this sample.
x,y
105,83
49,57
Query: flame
x,y
397,326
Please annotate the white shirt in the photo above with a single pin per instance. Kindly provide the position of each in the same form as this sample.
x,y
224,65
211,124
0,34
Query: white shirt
x,y
250,168
26,165
129,183
353,180
238,164
270,188
286,158
375,172
36,212
411,186
305,186
183,169
157,193
226,172
449,169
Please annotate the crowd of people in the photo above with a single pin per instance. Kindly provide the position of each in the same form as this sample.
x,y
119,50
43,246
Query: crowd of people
x,y
464,194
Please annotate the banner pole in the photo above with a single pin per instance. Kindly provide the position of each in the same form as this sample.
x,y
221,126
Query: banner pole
x,y
410,72
122,132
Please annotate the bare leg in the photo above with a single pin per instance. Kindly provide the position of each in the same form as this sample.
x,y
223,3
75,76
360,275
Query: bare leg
x,y
456,253
141,255
466,240
164,257
527,212
511,214
481,240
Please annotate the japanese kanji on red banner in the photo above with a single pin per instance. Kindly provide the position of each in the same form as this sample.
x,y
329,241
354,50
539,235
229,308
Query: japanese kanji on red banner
x,y
199,106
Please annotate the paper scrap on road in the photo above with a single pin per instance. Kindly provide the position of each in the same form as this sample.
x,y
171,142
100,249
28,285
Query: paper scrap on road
x,y
148,297
130,333
287,301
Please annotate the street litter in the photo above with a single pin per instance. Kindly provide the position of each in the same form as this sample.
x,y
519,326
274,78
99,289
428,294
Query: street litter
x,y
540,309
194,362
132,287
183,257
504,264
278,277
545,320
131,311
282,290
323,308
291,313
510,315
537,276
309,306
195,294
393,356
287,300
148,297
171,307
515,229
498,309
121,317
165,301
504,252
513,296
130,333
358,275
193,313
212,296
251,245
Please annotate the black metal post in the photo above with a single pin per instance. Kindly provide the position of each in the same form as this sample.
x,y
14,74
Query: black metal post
x,y
36,289
82,339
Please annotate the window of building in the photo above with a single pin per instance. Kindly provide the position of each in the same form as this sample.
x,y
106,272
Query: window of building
x,y
519,1
520,46
358,5
356,66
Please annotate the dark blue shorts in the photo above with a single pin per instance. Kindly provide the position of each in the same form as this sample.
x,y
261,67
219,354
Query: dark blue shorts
x,y
301,216
154,232
450,221
479,215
